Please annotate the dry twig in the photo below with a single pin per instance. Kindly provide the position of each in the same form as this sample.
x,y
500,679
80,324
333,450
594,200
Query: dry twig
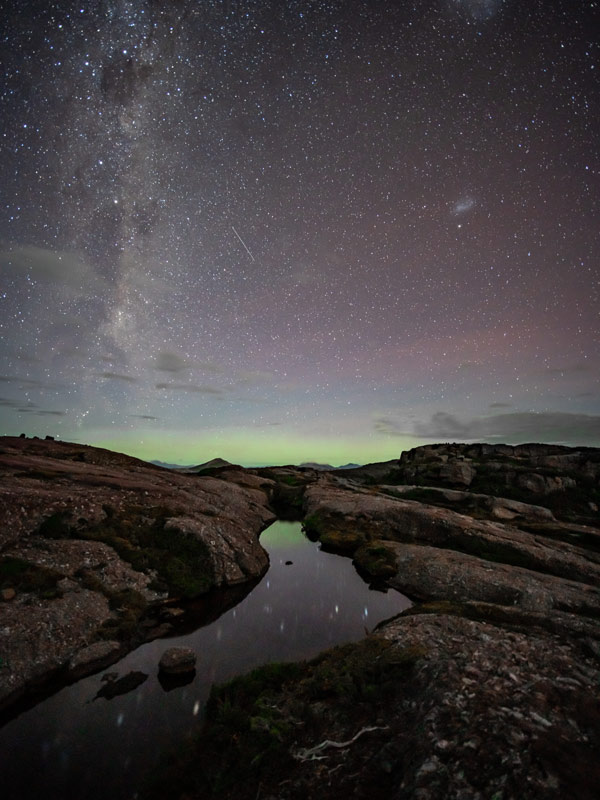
x,y
311,753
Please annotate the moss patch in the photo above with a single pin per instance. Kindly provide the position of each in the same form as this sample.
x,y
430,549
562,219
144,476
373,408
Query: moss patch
x,y
377,560
313,526
333,536
20,575
341,541
138,535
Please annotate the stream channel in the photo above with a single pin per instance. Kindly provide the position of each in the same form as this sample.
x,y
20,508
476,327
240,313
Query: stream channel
x,y
74,745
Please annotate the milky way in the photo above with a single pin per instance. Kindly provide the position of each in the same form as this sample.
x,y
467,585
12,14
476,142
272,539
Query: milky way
x,y
286,231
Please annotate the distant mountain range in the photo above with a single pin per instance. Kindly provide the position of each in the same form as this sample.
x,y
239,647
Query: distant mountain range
x,y
214,463
315,465
220,462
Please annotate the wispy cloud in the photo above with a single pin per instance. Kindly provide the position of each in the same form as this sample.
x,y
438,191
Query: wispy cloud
x,y
40,412
117,377
388,427
170,362
189,387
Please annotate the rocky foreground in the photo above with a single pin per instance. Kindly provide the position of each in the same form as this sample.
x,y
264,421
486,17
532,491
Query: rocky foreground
x,y
486,688
98,549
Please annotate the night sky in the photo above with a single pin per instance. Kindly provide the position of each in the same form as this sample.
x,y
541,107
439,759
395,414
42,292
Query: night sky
x,y
286,231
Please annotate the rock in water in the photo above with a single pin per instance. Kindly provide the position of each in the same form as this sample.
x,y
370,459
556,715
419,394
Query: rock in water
x,y
177,660
122,685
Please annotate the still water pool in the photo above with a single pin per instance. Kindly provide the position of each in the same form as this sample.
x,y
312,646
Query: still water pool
x,y
74,745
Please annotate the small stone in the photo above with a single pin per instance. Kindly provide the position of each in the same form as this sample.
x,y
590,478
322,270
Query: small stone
x,y
171,613
8,594
177,660
288,563
68,585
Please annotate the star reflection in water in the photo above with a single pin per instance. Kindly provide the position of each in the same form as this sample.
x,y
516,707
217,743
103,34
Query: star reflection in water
x,y
67,746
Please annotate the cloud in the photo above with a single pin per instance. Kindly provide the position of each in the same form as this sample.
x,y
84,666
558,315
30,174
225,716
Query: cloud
x,y
143,416
117,377
500,405
188,387
387,427
170,362
20,381
40,412
65,269
255,377
546,426
571,369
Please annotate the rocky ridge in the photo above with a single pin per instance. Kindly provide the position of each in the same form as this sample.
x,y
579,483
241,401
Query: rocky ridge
x,y
486,688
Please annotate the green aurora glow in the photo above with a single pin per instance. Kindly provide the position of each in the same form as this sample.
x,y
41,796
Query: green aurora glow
x,y
251,448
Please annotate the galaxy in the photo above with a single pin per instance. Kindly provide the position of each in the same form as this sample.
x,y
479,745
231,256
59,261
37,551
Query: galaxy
x,y
276,232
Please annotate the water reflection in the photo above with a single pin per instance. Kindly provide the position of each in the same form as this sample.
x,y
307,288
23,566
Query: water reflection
x,y
69,747
115,686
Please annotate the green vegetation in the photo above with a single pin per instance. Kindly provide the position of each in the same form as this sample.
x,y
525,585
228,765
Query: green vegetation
x,y
138,535
256,722
341,541
128,605
245,736
312,525
20,575
288,497
335,539
377,560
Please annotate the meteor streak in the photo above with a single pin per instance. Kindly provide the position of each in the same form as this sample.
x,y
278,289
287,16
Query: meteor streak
x,y
243,242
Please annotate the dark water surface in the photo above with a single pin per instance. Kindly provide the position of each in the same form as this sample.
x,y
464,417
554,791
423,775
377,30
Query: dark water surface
x,y
74,746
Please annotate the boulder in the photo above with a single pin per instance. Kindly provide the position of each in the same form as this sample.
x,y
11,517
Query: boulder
x,y
177,661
